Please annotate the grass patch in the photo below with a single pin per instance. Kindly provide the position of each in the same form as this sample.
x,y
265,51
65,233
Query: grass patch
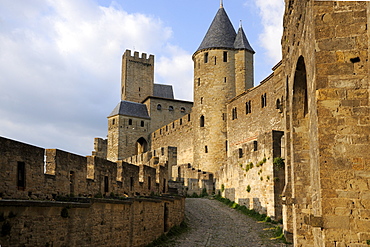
x,y
173,232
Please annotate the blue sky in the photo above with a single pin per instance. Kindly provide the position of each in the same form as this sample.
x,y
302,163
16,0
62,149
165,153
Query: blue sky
x,y
60,61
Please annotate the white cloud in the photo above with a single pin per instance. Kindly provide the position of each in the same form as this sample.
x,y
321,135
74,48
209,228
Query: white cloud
x,y
60,68
271,12
176,68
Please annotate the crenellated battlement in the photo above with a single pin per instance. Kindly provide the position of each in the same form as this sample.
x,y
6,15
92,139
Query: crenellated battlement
x,y
144,59
36,173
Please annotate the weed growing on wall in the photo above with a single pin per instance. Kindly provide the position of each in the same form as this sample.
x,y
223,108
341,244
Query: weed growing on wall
x,y
248,188
279,163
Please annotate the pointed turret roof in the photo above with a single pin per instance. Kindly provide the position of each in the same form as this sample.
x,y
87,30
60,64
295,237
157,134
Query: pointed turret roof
x,y
221,33
241,41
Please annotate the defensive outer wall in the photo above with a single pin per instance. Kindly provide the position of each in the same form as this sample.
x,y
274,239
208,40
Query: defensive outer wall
x,y
54,198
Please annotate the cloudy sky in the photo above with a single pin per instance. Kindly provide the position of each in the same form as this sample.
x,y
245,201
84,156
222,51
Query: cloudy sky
x,y
60,60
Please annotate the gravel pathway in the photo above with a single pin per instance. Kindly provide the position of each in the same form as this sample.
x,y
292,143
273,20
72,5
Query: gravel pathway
x,y
212,223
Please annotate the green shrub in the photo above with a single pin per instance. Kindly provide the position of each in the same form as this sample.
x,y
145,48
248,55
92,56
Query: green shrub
x,y
194,195
368,242
248,188
98,195
222,187
279,163
204,193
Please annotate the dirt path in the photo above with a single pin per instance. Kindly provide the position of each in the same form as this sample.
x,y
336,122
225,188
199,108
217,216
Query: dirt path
x,y
214,224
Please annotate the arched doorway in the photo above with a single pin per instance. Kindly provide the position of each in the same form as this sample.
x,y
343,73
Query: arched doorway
x,y
141,146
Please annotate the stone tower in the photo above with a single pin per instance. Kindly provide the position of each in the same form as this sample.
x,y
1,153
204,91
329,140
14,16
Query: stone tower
x,y
137,76
223,68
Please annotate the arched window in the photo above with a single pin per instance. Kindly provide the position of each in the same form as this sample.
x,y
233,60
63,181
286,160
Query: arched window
x,y
159,107
170,108
201,121
182,109
141,146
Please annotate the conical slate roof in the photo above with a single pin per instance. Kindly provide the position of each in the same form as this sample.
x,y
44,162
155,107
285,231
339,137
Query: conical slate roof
x,y
221,33
241,41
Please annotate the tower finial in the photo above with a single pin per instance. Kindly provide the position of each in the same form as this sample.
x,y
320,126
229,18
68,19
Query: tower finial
x,y
221,3
241,23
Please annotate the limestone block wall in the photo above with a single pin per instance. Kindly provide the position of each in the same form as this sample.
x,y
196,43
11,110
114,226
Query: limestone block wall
x,y
164,111
325,50
99,222
250,178
35,173
179,134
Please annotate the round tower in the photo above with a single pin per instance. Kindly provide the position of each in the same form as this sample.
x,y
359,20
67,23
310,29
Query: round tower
x,y
223,68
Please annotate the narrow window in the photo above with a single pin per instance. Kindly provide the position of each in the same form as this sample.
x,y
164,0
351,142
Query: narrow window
x,y
201,100
234,113
131,183
166,127
215,60
106,184
159,107
226,146
206,57
170,108
149,183
142,123
248,108
21,176
225,56
263,100
240,153
139,89
154,152
255,145
154,134
189,118
162,151
164,185
225,80
113,121
278,104
173,125
130,122
206,149
198,82
180,121
160,131
201,121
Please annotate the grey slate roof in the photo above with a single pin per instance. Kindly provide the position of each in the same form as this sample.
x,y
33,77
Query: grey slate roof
x,y
131,109
221,34
241,41
163,91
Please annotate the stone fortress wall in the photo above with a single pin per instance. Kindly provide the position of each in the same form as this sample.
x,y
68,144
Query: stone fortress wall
x,y
34,180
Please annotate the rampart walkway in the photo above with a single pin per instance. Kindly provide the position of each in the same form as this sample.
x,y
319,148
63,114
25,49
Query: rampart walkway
x,y
214,224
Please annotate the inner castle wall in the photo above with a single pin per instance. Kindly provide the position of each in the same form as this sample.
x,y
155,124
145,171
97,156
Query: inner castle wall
x,y
35,180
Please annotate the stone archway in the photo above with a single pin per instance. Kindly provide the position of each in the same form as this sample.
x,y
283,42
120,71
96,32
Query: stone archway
x,y
141,146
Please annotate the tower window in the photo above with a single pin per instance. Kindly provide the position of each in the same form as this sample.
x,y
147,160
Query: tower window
x,y
173,125
113,121
215,60
21,175
225,80
182,109
206,57
201,100
198,82
234,113
159,107
206,149
189,118
240,153
170,108
248,107
263,100
225,56
130,122
201,121
106,184
255,145
180,121
142,124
